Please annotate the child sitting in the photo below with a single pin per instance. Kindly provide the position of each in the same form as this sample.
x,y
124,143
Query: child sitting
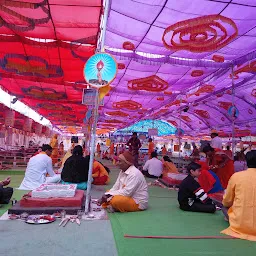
x,y
191,195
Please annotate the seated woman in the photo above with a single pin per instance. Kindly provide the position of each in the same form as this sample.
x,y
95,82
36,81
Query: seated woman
x,y
169,166
99,172
75,169
208,180
220,163
5,193
191,195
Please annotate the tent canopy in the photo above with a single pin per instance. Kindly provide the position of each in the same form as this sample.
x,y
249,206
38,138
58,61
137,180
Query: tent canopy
x,y
176,61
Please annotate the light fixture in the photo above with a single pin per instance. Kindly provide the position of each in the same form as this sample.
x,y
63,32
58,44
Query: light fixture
x,y
14,100
186,109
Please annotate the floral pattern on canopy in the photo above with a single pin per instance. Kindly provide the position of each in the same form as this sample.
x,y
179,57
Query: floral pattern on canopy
x,y
44,45
192,46
176,60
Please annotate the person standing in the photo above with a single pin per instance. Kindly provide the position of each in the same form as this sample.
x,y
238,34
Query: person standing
x,y
134,146
151,146
54,145
164,151
216,140
98,149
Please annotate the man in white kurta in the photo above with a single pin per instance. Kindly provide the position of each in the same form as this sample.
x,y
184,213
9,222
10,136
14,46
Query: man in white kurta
x,y
37,169
130,192
216,141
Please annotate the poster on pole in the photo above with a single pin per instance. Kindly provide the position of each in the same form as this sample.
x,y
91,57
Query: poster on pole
x,y
100,70
88,98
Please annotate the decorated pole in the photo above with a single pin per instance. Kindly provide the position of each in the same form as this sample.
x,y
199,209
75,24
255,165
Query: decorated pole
x,y
99,71
92,151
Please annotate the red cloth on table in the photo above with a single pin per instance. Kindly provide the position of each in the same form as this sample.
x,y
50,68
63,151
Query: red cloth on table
x,y
32,202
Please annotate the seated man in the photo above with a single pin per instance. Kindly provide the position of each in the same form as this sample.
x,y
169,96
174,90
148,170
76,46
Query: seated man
x,y
5,193
153,168
130,192
191,196
38,167
76,169
240,198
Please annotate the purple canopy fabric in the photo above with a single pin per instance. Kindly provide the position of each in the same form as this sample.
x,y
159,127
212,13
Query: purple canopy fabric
x,y
175,63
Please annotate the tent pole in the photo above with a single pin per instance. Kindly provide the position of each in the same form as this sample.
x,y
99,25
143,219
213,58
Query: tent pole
x,y
233,116
104,27
92,150
180,131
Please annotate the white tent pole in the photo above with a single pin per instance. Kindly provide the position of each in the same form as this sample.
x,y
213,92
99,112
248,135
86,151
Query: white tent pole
x,y
104,28
92,150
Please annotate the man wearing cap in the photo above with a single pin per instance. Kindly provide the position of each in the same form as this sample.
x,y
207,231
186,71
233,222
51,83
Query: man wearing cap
x,y
216,140
130,192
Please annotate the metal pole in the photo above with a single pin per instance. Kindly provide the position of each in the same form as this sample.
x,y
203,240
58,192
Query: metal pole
x,y
92,150
180,130
103,30
233,116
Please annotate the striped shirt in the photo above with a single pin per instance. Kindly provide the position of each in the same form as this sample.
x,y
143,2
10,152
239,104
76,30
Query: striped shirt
x,y
190,191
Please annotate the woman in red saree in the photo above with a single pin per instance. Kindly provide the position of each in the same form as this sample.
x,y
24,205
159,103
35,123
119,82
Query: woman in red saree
x,y
220,163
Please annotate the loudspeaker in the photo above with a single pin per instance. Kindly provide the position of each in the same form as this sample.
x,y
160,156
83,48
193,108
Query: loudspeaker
x,y
74,139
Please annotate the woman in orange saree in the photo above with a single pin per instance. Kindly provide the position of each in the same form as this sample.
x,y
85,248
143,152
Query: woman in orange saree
x,y
220,163
151,146
169,166
54,145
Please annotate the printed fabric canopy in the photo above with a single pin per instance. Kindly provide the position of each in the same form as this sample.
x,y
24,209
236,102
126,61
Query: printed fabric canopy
x,y
143,126
43,48
176,61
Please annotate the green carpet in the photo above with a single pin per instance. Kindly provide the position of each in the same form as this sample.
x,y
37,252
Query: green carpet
x,y
16,178
164,218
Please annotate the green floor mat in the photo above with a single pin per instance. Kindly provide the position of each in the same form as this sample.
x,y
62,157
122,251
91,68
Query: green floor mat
x,y
164,218
16,179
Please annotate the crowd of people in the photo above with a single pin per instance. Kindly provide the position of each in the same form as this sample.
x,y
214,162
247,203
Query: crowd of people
x,y
211,170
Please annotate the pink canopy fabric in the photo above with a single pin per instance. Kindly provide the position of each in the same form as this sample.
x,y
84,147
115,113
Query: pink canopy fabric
x,y
175,63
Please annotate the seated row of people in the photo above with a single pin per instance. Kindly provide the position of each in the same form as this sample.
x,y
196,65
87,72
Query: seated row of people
x,y
130,191
239,200
75,170
155,168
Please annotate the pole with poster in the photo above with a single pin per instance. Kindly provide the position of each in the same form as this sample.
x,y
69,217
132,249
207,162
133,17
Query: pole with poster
x,y
99,71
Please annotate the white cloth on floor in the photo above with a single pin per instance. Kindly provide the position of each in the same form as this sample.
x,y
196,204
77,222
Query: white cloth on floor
x,y
37,169
154,167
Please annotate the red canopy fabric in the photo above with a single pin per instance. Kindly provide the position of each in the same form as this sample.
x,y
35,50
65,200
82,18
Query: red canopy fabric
x,y
43,48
